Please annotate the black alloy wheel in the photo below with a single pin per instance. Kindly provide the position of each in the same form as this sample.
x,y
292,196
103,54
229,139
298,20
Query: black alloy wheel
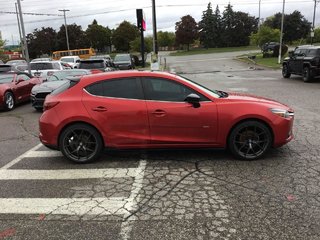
x,y
250,140
285,71
9,101
81,143
307,74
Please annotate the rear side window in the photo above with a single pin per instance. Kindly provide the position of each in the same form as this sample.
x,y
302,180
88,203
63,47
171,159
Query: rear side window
x,y
129,88
41,66
91,65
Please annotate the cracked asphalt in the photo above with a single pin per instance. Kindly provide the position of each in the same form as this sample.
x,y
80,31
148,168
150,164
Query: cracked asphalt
x,y
172,194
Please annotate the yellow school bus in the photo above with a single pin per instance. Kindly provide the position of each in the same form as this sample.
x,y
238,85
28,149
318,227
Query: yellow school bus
x,y
83,53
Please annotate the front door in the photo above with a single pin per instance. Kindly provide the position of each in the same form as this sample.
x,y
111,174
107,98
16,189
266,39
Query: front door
x,y
174,121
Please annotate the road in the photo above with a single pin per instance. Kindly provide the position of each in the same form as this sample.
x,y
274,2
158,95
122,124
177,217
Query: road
x,y
189,194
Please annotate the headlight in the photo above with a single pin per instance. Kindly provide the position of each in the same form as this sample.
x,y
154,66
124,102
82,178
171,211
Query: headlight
x,y
282,113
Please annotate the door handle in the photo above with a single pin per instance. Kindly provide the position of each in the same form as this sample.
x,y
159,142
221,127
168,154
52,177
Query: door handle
x,y
99,109
159,113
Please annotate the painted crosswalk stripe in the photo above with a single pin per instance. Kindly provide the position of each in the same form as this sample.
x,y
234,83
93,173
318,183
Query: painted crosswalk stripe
x,y
63,206
16,174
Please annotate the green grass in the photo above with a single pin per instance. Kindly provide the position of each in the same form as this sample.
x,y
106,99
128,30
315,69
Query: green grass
x,y
271,62
213,50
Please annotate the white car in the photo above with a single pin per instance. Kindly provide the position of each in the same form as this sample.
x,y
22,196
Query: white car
x,y
73,61
47,68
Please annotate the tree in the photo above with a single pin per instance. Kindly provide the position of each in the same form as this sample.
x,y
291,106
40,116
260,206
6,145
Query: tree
x,y
206,28
244,25
99,36
123,35
135,45
264,35
228,24
166,39
77,37
316,35
295,25
42,41
186,31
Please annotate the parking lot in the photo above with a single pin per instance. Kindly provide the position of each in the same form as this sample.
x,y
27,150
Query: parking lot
x,y
174,194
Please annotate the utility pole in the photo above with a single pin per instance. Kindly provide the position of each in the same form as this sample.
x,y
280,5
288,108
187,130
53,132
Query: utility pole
x,y
65,25
19,27
281,34
314,15
24,37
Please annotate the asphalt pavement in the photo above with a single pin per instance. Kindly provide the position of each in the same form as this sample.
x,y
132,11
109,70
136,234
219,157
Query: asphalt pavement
x,y
173,194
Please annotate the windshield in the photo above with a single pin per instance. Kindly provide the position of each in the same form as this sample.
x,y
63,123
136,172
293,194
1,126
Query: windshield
x,y
41,66
213,93
120,58
6,78
58,76
70,60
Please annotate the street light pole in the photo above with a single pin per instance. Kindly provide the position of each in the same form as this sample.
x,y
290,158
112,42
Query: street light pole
x,y
19,27
154,23
65,25
24,38
259,14
281,34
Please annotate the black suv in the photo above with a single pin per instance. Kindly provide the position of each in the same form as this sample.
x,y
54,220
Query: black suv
x,y
304,61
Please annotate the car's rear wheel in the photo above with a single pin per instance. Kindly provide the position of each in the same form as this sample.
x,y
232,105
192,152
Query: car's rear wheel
x,y
285,71
9,101
250,140
81,143
307,74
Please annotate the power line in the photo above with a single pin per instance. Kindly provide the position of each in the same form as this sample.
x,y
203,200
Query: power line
x,y
33,14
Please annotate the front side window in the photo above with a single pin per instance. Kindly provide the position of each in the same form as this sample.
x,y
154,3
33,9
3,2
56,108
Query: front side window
x,y
129,88
160,89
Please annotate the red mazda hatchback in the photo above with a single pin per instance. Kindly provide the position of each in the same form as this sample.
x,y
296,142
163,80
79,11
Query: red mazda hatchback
x,y
137,109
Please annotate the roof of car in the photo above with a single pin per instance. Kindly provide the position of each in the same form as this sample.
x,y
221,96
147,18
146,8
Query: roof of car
x,y
309,47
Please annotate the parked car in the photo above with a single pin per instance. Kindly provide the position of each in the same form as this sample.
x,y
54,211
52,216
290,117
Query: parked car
x,y
73,61
124,61
96,64
104,57
47,68
15,87
16,62
269,46
1,62
39,92
41,60
304,61
140,109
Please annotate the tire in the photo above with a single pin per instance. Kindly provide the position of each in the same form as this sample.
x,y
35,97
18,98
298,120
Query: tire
x,y
249,140
285,71
307,74
9,101
38,109
81,143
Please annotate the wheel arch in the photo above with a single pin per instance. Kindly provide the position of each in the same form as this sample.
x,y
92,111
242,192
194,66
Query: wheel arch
x,y
79,122
250,119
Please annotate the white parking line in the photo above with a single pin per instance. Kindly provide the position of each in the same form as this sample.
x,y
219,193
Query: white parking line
x,y
16,174
18,159
133,200
38,154
65,206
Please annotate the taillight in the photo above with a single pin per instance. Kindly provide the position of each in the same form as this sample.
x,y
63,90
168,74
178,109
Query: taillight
x,y
49,105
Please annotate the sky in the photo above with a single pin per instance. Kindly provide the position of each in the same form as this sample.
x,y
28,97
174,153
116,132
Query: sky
x,y
112,12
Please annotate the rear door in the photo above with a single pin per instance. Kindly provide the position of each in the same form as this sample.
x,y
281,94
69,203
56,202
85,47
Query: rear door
x,y
23,87
119,109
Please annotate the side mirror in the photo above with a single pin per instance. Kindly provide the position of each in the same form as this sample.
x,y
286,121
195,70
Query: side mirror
x,y
78,61
290,53
19,80
193,99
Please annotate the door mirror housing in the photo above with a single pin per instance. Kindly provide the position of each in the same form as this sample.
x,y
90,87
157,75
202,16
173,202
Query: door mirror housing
x,y
19,80
193,99
291,54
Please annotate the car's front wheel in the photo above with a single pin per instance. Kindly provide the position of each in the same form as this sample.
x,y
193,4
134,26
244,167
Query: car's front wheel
x,y
249,140
80,143
285,71
307,74
9,101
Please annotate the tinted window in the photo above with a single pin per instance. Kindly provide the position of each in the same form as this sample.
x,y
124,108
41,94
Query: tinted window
x,y
41,66
166,90
64,87
312,52
118,88
91,65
